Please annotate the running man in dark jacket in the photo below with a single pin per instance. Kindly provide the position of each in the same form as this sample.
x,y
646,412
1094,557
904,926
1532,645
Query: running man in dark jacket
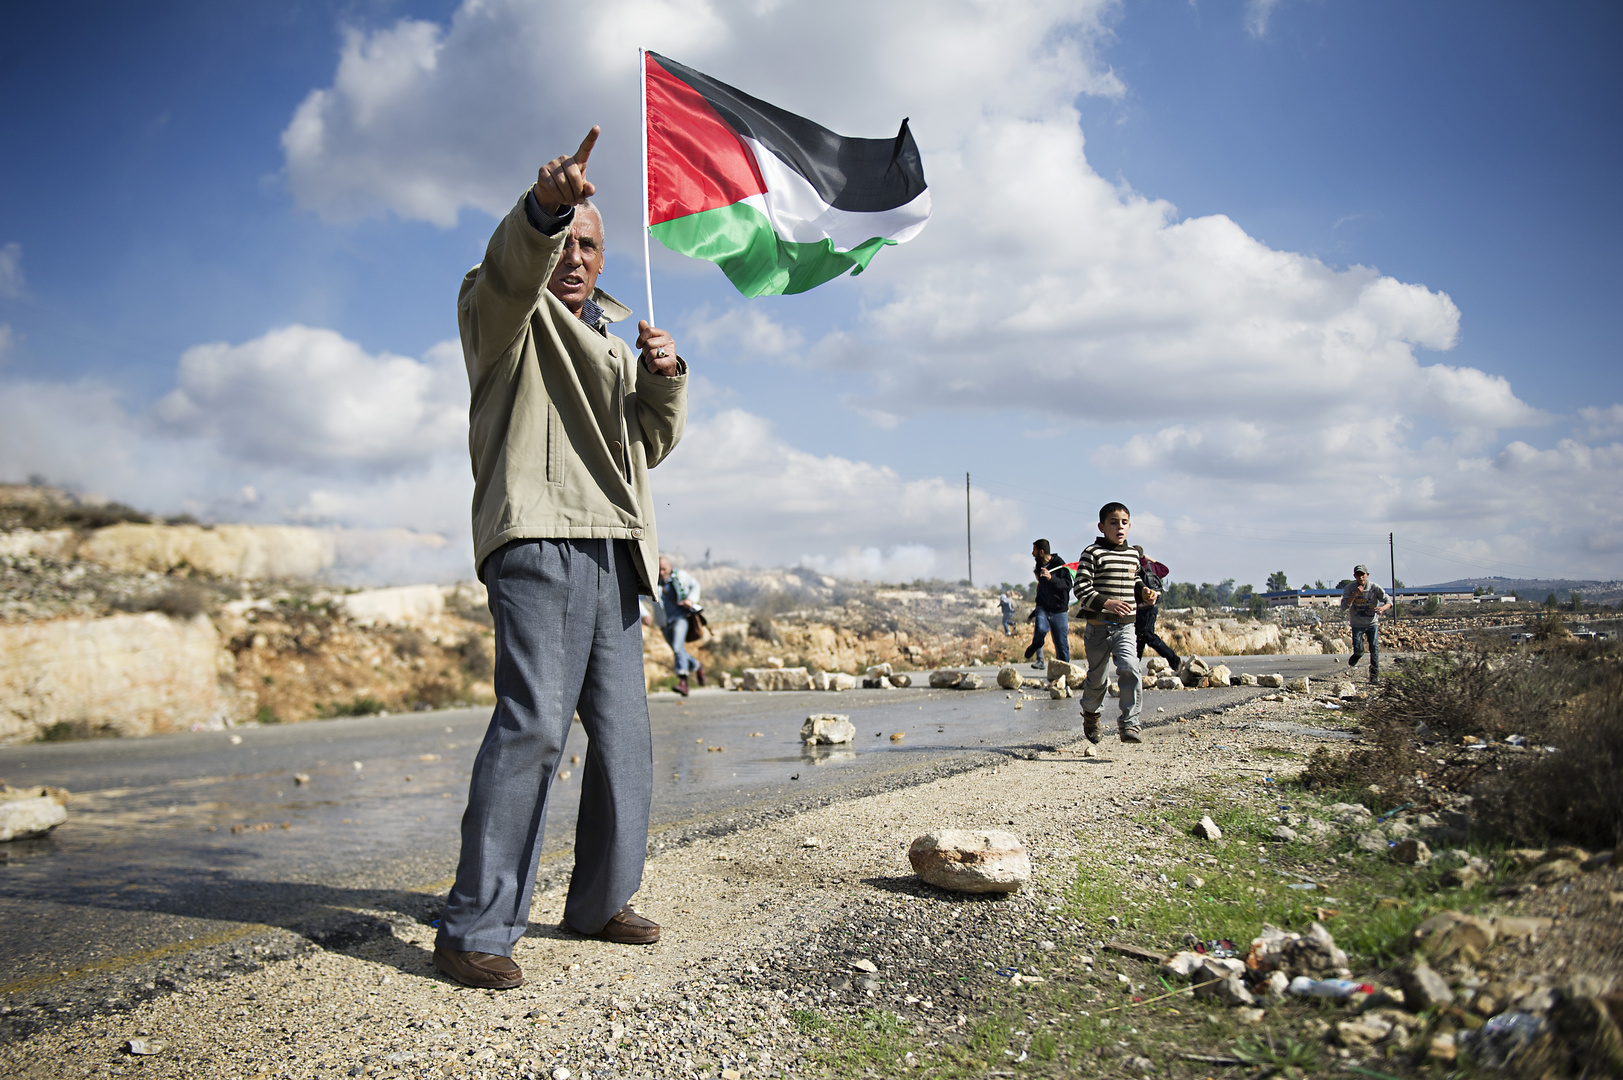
x,y
1053,598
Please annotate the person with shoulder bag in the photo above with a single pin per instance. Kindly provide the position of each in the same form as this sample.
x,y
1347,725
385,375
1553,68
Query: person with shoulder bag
x,y
684,621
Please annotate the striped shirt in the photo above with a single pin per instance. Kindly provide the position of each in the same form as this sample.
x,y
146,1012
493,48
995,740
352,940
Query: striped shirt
x,y
1105,571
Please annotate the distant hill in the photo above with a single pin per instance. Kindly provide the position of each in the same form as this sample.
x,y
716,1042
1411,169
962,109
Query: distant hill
x,y
1593,592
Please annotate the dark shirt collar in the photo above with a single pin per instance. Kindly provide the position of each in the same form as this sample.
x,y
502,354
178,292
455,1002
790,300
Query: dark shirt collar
x,y
592,316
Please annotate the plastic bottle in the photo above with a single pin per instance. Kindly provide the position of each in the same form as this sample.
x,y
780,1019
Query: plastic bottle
x,y
1339,989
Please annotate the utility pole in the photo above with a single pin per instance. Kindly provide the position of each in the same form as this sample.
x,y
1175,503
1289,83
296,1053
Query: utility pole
x,y
969,544
1392,557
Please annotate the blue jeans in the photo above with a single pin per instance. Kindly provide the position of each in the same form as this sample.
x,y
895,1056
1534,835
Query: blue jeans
x,y
1104,643
1373,634
1055,624
676,636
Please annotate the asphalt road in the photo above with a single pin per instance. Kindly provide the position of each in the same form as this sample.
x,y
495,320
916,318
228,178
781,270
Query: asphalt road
x,y
185,841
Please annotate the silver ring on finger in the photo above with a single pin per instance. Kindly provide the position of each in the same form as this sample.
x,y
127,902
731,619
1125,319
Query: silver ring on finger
x,y
659,354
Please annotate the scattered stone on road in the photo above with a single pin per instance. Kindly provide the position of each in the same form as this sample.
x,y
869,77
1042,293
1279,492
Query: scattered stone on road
x,y
978,861
777,678
22,818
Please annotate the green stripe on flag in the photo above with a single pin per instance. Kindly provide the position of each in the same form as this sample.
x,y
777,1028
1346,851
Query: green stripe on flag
x,y
740,240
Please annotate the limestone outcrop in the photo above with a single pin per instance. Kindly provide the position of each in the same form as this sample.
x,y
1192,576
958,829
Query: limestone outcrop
x,y
244,552
122,675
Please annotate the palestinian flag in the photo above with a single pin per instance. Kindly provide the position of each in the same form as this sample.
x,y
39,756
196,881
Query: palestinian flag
x,y
779,203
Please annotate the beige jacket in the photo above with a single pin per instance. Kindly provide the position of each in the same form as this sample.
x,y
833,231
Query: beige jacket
x,y
564,422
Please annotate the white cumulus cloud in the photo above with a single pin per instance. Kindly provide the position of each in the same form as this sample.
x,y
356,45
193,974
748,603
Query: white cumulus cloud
x,y
738,488
308,396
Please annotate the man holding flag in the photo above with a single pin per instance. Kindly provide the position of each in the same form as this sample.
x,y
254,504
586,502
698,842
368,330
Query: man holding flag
x,y
564,423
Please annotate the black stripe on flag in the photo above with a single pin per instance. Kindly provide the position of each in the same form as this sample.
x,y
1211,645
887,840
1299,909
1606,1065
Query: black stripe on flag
x,y
858,175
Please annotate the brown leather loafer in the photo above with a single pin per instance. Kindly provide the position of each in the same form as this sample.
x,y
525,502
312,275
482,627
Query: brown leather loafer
x,y
626,928
484,970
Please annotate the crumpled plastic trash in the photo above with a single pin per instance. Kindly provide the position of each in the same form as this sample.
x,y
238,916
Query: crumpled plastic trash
x,y
1221,949
1501,1038
1516,740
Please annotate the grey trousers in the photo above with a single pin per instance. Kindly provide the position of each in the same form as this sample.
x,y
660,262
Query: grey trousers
x,y
1109,642
568,636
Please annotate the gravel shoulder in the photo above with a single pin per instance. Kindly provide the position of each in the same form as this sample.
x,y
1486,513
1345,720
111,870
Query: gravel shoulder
x,y
743,913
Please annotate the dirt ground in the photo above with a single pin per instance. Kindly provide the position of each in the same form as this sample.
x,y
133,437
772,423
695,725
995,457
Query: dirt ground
x,y
761,928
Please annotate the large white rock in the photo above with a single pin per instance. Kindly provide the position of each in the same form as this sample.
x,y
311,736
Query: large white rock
x,y
1217,978
945,679
877,670
1299,685
20,818
1059,668
120,675
398,605
57,544
978,861
901,679
1220,675
842,680
1193,669
1182,965
970,681
1275,681
1155,665
1168,682
795,678
1009,677
232,551
827,729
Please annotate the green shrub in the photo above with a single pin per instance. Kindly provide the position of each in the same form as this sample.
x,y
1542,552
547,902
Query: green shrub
x,y
361,706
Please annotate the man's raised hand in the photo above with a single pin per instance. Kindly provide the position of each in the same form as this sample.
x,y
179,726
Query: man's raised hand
x,y
657,348
562,181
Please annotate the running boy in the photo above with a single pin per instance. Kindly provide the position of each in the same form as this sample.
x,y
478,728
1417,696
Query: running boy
x,y
1108,585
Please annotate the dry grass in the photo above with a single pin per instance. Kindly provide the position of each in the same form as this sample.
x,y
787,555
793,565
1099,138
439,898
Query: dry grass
x,y
1565,698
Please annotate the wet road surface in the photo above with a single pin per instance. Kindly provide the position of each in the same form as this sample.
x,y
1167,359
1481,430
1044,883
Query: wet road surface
x,y
179,842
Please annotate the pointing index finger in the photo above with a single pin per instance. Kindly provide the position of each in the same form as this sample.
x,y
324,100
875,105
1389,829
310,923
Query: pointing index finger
x,y
586,145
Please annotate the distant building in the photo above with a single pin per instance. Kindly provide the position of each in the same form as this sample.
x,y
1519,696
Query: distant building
x,y
1304,598
1446,595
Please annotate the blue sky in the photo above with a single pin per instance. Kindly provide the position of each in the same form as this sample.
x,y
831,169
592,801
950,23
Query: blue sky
x,y
1283,277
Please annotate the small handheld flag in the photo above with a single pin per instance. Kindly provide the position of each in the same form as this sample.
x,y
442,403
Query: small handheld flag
x,y
780,203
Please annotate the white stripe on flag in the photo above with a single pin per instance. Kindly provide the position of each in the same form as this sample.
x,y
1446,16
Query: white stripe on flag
x,y
800,216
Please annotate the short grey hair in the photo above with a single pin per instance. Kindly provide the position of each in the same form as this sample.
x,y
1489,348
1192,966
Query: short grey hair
x,y
602,229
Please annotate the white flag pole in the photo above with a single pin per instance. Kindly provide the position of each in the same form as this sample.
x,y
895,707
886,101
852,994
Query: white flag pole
x,y
647,261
